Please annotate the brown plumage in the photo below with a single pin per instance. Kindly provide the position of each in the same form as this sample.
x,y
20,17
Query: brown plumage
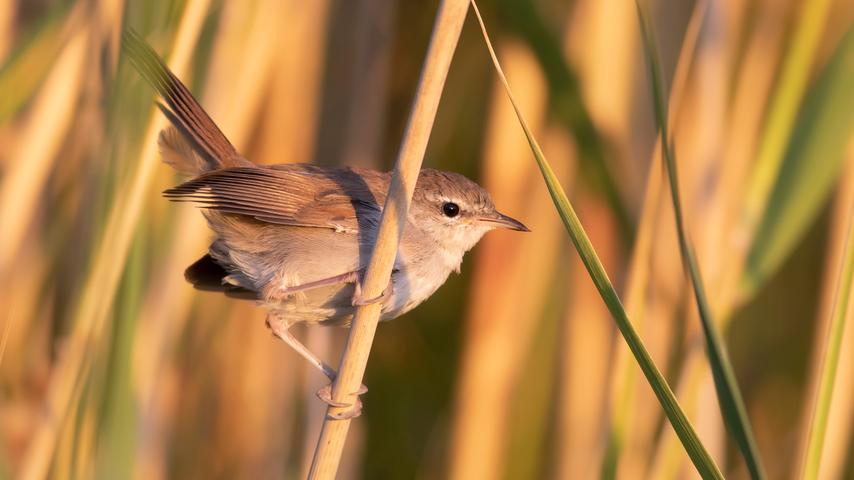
x,y
297,237
183,110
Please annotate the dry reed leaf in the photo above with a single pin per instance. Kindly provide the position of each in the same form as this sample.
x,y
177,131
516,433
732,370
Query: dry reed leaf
x,y
299,34
32,157
102,282
497,335
25,320
288,123
8,10
791,84
588,340
46,126
85,441
699,142
4,336
644,274
626,445
234,97
356,84
605,29
752,86
108,22
840,420
783,109
597,30
806,145
662,324
841,416
726,385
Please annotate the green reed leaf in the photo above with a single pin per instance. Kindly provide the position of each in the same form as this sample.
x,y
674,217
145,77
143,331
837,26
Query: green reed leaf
x,y
30,62
810,168
726,385
684,430
830,362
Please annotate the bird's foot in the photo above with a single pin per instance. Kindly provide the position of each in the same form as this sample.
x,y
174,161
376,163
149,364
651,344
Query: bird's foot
x,y
353,410
359,301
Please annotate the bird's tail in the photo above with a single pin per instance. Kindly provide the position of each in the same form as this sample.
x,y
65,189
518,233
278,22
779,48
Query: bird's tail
x,y
194,144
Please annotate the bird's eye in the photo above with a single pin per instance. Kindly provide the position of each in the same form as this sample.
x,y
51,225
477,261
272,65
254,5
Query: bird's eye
x,y
450,209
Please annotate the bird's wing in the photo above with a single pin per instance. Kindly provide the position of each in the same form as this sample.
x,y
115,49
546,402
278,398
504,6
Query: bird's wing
x,y
293,195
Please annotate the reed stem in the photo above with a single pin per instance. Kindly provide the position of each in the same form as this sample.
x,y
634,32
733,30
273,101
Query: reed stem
x,y
89,325
446,32
830,361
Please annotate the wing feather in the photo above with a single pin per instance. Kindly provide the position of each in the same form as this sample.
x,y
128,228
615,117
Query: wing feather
x,y
294,195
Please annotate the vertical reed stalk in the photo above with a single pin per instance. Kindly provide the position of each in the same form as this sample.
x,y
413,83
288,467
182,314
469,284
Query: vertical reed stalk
x,y
729,394
639,274
830,361
509,282
40,144
247,41
782,113
840,422
586,343
8,11
97,297
597,29
446,32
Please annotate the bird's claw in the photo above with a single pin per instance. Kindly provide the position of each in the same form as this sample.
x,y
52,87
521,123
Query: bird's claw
x,y
352,410
359,301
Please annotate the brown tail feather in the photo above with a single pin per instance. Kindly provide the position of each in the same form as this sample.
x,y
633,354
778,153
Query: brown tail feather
x,y
179,153
182,109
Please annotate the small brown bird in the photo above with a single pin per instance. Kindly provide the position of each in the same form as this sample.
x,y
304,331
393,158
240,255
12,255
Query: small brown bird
x,y
296,237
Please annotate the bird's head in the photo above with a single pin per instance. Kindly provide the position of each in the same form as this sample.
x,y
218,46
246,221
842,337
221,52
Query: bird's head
x,y
455,211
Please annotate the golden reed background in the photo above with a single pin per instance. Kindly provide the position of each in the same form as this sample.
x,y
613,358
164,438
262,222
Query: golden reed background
x,y
111,366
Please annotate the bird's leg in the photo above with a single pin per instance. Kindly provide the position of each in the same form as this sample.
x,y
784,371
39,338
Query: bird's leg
x,y
349,277
282,330
354,277
358,301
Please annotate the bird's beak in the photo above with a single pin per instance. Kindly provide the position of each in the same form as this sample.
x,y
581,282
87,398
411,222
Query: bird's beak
x,y
503,221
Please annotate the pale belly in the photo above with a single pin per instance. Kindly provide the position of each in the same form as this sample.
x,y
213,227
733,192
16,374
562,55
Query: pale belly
x,y
299,257
333,305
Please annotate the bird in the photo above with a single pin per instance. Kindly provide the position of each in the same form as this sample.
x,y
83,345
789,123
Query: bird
x,y
297,238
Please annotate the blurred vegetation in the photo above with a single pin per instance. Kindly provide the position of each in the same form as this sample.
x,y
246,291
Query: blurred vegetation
x,y
111,366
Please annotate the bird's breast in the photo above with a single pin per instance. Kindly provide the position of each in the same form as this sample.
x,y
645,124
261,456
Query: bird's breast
x,y
419,271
